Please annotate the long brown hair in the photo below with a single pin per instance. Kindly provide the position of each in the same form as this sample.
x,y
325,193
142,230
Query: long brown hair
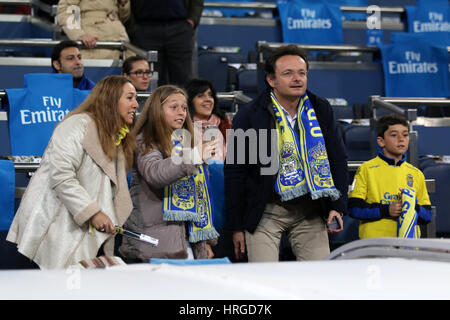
x,y
151,123
102,106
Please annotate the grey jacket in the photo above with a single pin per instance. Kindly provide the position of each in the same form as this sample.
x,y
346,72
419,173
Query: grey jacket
x,y
149,176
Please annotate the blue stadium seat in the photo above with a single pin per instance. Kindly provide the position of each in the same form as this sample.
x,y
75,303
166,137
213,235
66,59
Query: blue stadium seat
x,y
429,142
358,142
213,66
440,172
425,162
248,82
343,112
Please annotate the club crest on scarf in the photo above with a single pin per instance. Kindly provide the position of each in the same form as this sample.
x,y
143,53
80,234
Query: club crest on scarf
x,y
188,199
303,160
291,169
202,206
319,166
183,189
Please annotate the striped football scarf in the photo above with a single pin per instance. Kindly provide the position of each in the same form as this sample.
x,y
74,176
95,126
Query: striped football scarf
x,y
407,222
188,199
303,159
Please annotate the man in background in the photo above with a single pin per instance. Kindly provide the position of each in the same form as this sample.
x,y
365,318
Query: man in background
x,y
169,28
66,58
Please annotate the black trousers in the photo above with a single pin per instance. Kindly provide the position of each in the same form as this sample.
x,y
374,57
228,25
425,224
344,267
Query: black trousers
x,y
174,43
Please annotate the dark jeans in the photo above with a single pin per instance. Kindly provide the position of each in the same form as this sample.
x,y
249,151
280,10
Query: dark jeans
x,y
10,258
174,43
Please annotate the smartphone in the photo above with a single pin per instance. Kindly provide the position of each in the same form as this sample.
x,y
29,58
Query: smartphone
x,y
335,224
211,135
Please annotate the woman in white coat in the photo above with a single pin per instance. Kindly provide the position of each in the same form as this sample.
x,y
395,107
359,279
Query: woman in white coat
x,y
80,192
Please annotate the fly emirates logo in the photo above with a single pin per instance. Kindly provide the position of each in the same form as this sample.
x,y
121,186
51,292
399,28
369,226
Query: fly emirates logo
x,y
309,21
436,23
52,112
413,64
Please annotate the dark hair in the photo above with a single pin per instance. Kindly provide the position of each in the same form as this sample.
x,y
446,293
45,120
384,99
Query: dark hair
x,y
288,50
128,63
196,86
56,53
389,120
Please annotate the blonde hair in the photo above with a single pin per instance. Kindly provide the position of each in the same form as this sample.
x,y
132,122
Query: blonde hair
x,y
152,125
102,105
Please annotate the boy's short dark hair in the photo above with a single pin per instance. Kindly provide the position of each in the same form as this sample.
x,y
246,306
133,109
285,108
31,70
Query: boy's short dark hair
x,y
288,50
56,53
128,63
389,120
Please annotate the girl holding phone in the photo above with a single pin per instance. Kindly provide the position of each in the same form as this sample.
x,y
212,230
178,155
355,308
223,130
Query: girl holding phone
x,y
168,186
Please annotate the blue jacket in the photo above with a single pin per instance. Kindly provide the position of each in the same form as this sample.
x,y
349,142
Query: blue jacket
x,y
247,191
85,83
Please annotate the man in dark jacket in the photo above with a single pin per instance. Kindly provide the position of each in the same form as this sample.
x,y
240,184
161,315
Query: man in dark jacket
x,y
168,27
258,211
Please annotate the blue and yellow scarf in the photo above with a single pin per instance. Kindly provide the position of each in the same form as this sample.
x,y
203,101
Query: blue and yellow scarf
x,y
303,160
407,222
188,199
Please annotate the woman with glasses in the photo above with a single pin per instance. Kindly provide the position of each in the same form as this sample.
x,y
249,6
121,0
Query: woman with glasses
x,y
137,70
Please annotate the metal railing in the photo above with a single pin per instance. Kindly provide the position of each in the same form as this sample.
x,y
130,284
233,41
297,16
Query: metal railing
x,y
264,46
151,56
392,23
236,97
273,6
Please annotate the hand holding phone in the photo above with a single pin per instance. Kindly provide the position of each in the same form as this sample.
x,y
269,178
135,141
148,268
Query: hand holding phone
x,y
334,225
210,133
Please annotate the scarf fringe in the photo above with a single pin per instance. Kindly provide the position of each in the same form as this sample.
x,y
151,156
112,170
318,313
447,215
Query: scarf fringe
x,y
294,192
334,194
299,191
203,234
173,215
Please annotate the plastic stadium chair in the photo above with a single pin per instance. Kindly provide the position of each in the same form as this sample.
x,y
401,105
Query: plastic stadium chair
x,y
440,172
